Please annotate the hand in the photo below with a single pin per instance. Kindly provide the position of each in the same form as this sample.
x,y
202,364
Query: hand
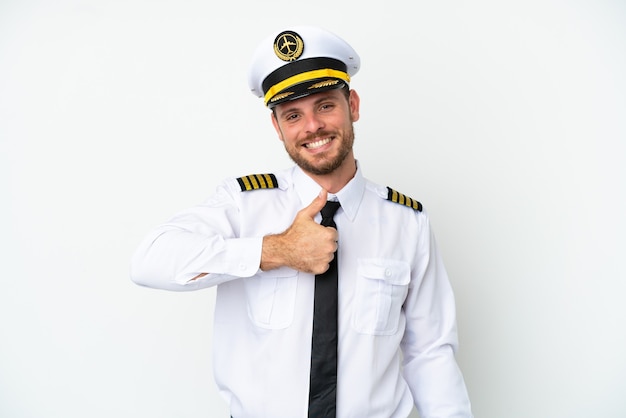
x,y
305,246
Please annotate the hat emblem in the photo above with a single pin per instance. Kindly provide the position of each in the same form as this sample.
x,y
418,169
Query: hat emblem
x,y
288,46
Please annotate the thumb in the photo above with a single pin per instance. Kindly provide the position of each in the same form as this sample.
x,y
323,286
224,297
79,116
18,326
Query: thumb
x,y
316,205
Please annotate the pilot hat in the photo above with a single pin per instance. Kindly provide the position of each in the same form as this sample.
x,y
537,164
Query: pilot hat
x,y
299,61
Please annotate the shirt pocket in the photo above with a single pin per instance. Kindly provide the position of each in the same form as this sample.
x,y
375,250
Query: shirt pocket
x,y
381,288
271,297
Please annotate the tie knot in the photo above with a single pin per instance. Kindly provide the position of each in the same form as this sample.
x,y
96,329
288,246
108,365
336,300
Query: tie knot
x,y
329,209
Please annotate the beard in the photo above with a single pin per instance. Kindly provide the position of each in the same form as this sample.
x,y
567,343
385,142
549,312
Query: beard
x,y
322,164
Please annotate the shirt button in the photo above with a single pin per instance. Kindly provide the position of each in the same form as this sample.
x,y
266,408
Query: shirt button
x,y
388,272
242,267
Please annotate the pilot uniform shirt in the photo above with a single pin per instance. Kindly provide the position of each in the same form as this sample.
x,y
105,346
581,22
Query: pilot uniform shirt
x,y
397,324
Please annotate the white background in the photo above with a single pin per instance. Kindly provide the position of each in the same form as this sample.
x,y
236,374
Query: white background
x,y
506,119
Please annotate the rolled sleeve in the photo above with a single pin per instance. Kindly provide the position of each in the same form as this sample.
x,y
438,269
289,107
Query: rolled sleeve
x,y
203,240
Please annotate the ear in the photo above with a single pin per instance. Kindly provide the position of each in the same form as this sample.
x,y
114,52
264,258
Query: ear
x,y
277,127
354,102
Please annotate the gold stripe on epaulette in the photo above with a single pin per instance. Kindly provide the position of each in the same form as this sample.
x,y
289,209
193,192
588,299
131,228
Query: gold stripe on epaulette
x,y
257,181
401,199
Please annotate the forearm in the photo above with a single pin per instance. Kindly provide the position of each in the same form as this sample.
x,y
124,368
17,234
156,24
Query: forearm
x,y
271,253
174,259
438,386
430,367
278,252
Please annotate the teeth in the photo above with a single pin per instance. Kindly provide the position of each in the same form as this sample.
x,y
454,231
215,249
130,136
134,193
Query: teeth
x,y
318,144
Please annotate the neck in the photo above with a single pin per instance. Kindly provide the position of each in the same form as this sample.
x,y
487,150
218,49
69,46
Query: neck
x,y
335,181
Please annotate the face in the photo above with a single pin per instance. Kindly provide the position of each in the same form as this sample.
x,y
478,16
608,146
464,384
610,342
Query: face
x,y
317,130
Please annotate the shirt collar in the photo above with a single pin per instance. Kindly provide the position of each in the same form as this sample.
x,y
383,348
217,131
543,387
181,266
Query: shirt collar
x,y
350,196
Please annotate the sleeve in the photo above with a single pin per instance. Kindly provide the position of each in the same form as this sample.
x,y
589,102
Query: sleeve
x,y
202,239
430,340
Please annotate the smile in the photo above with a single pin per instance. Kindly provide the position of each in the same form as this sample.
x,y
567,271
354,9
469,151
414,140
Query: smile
x,y
318,144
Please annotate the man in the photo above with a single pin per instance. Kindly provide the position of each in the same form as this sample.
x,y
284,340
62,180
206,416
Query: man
x,y
391,338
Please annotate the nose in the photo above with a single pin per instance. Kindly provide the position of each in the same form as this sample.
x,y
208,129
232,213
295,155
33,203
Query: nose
x,y
313,122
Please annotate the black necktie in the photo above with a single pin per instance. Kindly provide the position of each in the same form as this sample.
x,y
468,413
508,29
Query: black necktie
x,y
323,383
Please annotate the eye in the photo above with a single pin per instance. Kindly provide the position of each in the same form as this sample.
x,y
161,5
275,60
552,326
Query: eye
x,y
290,117
326,106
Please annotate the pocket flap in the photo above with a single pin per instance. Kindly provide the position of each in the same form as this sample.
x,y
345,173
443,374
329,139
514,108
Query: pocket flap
x,y
395,272
281,272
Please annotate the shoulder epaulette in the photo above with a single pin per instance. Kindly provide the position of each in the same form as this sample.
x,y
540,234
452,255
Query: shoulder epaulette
x,y
257,181
401,199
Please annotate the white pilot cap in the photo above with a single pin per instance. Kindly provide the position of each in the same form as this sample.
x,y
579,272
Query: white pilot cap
x,y
299,61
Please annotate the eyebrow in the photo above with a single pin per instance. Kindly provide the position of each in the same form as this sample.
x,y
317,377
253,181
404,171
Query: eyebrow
x,y
323,96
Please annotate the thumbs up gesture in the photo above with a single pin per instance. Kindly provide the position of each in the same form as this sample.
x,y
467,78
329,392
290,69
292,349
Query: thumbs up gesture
x,y
305,246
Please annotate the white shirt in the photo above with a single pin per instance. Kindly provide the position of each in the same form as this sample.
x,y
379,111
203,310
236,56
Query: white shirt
x,y
397,324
